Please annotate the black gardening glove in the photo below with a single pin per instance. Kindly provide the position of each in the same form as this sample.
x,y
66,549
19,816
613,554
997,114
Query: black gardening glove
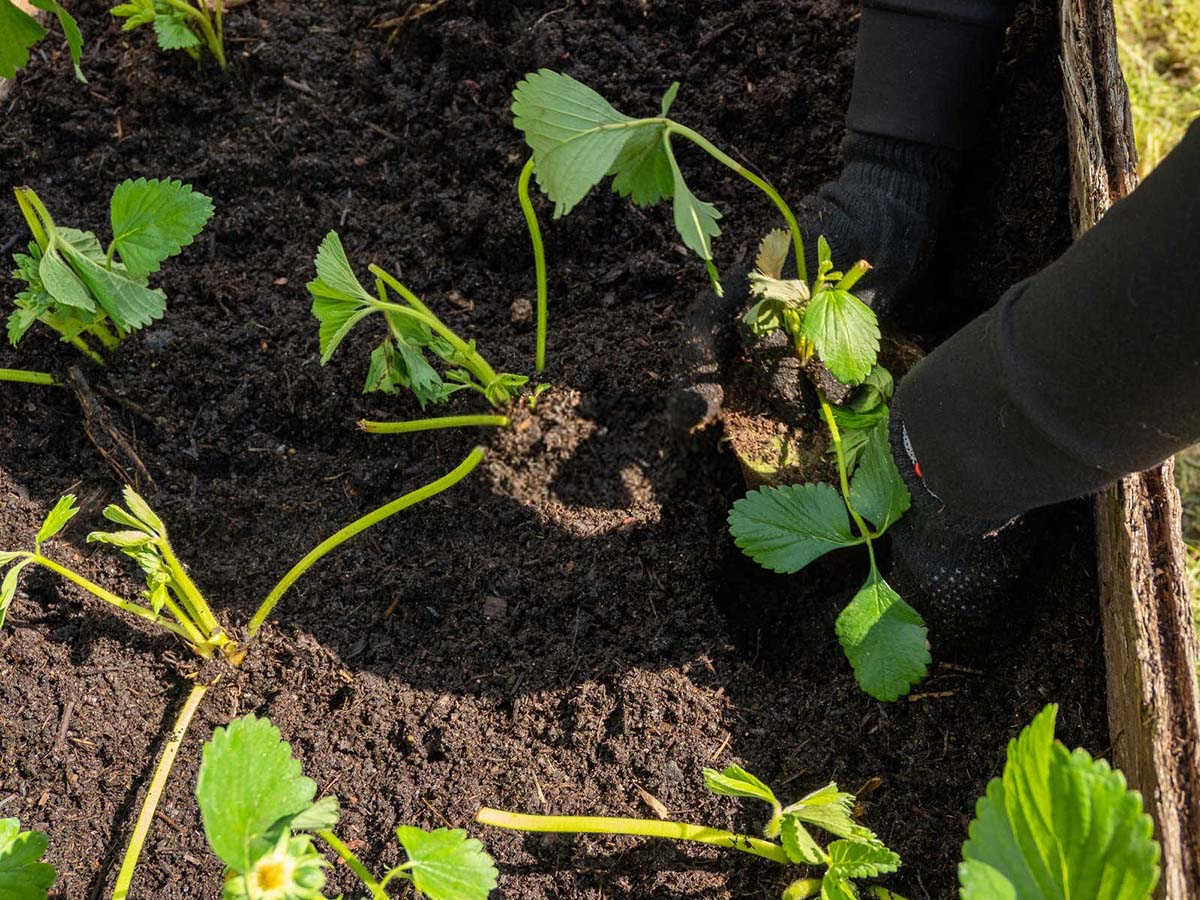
x,y
884,208
958,571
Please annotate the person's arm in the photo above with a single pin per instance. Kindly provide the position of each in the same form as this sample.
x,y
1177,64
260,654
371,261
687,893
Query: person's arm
x,y
1085,372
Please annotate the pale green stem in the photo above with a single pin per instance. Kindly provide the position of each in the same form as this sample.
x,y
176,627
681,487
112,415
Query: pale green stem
x,y
193,600
347,856
154,793
79,344
679,831
402,289
850,279
26,377
539,261
424,492
471,358
836,435
720,156
432,424
102,334
184,629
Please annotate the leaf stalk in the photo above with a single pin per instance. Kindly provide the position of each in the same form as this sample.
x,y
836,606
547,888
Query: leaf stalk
x,y
353,862
27,377
539,261
431,424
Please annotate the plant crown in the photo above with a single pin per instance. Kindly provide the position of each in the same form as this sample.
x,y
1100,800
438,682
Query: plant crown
x,y
786,528
260,817
77,288
21,31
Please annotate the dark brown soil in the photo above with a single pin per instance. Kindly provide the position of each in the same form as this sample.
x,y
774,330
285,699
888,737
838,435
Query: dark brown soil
x,y
571,623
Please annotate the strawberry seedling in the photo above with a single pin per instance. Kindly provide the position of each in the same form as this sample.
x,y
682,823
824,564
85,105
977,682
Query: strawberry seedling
x,y
179,25
86,293
855,853
340,302
260,818
786,528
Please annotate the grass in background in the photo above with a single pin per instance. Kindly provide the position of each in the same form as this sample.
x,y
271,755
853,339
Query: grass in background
x,y
1160,55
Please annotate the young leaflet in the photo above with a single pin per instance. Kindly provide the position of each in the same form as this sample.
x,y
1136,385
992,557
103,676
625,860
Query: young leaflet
x,y
179,25
340,302
23,876
21,31
855,853
83,291
786,528
260,818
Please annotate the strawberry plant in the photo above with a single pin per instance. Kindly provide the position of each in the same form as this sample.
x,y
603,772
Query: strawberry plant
x,y
84,292
179,25
855,852
786,528
400,360
21,31
174,603
260,819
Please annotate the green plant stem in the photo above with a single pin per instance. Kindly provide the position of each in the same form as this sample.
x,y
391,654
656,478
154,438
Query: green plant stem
x,y
720,156
471,358
104,336
193,601
679,831
79,344
26,377
154,792
372,427
539,261
184,629
347,856
836,436
36,216
451,478
400,288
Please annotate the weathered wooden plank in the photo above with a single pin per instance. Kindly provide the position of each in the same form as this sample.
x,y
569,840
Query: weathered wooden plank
x,y
1149,639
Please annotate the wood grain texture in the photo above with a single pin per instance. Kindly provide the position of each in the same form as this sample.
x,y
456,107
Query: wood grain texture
x,y
1149,638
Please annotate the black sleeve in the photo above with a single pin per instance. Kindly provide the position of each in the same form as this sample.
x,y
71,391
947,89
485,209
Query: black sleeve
x,y
921,66
1085,372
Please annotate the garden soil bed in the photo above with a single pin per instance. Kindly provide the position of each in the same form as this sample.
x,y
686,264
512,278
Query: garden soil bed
x,y
572,622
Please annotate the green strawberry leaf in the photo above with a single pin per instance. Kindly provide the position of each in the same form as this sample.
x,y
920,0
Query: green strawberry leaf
x,y
135,13
858,859
1058,824
734,781
798,844
830,809
22,874
141,510
249,785
877,491
62,283
153,220
643,171
322,814
56,519
335,278
695,220
569,128
834,887
18,32
8,587
785,528
445,864
174,31
130,304
845,332
885,640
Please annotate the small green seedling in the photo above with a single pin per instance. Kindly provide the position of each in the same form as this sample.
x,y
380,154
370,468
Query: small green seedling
x,y
786,528
856,853
172,602
23,876
340,302
260,818
578,139
1058,824
179,25
19,31
82,291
